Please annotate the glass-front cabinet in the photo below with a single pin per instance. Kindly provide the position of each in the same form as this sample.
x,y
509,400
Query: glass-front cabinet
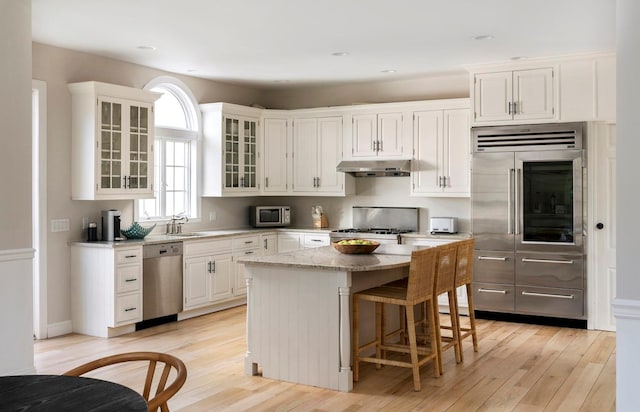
x,y
231,150
112,142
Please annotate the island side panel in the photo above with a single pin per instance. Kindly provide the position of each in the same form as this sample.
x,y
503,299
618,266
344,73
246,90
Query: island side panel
x,y
294,325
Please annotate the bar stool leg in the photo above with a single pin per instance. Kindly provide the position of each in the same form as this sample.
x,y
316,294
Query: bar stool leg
x,y
455,326
472,317
379,331
413,347
431,325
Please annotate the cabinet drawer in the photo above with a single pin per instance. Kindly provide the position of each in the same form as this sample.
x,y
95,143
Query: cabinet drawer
x,y
550,270
206,248
493,296
128,278
316,240
246,242
564,303
127,256
494,267
128,309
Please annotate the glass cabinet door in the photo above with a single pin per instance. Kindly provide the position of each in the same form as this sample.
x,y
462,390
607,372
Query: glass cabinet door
x,y
111,167
249,178
231,152
139,145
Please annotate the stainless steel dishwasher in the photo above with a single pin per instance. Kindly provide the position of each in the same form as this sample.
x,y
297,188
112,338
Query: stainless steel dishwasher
x,y
161,280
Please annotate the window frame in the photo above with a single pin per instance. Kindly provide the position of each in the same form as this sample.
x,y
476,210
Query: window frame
x,y
194,120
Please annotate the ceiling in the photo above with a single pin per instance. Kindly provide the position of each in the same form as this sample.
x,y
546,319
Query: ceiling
x,y
291,43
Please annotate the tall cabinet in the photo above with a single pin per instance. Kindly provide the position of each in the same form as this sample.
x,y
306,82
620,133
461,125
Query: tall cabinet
x,y
317,144
112,141
231,150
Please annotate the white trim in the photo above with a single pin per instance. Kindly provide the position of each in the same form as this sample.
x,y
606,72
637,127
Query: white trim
x,y
59,329
16,254
40,275
626,308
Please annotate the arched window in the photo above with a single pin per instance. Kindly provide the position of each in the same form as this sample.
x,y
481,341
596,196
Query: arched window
x,y
177,127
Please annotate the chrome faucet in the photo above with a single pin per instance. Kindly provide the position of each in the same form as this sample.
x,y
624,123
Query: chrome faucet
x,y
174,227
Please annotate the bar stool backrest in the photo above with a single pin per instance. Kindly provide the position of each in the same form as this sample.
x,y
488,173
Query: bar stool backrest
x,y
446,269
464,269
422,271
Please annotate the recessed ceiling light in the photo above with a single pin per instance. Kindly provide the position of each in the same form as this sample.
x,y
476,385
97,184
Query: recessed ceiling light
x,y
191,70
388,71
340,54
518,57
483,37
152,48
281,81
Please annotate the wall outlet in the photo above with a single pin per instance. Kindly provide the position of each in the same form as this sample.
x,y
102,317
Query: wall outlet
x,y
212,216
59,225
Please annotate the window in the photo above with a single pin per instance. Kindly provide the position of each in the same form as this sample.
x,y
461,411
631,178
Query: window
x,y
175,150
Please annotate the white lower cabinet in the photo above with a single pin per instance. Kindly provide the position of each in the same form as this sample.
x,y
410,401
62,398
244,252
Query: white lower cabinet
x,y
207,272
106,289
290,241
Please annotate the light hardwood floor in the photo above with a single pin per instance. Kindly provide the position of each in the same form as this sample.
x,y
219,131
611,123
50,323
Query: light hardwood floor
x,y
518,367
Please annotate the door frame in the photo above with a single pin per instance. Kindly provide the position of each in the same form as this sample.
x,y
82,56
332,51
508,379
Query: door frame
x,y
39,207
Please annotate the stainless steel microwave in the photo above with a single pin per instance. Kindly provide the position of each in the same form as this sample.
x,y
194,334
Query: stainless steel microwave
x,y
269,216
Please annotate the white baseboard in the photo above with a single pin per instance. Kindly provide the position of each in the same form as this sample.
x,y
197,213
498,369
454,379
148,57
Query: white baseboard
x,y
59,329
242,300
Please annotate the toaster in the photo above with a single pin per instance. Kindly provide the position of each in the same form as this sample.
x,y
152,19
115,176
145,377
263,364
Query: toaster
x,y
442,225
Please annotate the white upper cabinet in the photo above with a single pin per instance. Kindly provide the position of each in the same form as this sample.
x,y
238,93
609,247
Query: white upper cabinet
x,y
231,142
112,141
317,150
588,89
377,135
276,164
514,96
441,161
562,89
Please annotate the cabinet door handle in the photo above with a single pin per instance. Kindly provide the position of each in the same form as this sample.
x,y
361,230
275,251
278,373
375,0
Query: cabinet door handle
x,y
317,182
213,266
130,256
316,240
379,145
266,244
510,108
129,309
209,267
515,107
483,290
248,242
503,259
249,252
266,182
564,262
547,295
131,280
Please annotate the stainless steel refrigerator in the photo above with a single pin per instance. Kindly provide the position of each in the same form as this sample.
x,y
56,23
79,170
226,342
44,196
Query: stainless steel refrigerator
x,y
527,219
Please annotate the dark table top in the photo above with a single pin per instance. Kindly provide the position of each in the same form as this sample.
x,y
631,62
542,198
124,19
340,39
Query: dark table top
x,y
66,393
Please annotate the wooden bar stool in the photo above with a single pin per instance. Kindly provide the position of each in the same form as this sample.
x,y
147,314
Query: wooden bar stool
x,y
464,277
418,291
445,283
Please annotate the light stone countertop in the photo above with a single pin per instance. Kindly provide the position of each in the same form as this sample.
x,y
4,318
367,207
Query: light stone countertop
x,y
327,258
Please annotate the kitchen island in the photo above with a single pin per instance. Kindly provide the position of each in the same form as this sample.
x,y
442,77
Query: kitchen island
x,y
299,311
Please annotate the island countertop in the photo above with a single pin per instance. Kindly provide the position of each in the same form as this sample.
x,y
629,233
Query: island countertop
x,y
327,258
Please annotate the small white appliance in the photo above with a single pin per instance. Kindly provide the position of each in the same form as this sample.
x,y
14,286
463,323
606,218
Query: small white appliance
x,y
270,216
442,225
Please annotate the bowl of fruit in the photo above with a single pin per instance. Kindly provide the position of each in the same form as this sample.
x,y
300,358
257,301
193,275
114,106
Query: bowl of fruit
x,y
355,246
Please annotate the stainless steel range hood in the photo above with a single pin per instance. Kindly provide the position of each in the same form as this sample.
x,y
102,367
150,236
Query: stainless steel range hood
x,y
374,168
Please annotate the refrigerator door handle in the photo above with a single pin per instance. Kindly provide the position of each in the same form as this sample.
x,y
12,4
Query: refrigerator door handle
x,y
517,201
502,259
509,205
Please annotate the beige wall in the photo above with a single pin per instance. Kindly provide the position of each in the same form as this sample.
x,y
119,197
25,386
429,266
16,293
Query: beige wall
x,y
444,86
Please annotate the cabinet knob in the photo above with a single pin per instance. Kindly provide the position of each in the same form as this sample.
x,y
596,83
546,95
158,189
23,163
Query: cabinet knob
x,y
600,226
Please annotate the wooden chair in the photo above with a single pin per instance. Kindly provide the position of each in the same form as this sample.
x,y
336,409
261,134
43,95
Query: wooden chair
x,y
419,290
464,277
162,393
445,283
